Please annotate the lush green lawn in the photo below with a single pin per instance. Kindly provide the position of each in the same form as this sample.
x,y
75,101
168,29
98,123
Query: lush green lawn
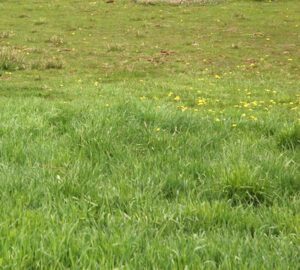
x,y
149,136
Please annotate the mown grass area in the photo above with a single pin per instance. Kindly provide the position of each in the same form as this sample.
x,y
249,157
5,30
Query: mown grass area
x,y
158,136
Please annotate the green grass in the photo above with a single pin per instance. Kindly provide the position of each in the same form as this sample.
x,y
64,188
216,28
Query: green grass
x,y
140,136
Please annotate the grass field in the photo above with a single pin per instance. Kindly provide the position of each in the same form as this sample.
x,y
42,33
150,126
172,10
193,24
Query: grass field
x,y
160,136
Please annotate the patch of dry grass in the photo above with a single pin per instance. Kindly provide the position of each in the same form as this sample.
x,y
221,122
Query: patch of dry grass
x,y
56,40
5,34
11,59
48,63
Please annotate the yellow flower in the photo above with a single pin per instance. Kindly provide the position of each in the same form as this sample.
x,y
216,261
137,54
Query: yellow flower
x,y
234,125
177,98
201,101
182,108
254,118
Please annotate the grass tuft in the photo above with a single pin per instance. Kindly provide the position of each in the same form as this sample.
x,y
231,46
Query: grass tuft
x,y
56,40
11,59
48,63
242,186
6,34
290,138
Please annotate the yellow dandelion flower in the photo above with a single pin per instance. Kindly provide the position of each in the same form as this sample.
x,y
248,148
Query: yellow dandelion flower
x,y
201,101
182,108
177,98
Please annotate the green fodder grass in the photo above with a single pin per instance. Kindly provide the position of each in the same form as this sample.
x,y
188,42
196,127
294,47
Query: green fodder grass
x,y
168,139
102,175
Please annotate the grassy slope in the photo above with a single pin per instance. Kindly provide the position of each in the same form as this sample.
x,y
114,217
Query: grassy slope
x,y
170,138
